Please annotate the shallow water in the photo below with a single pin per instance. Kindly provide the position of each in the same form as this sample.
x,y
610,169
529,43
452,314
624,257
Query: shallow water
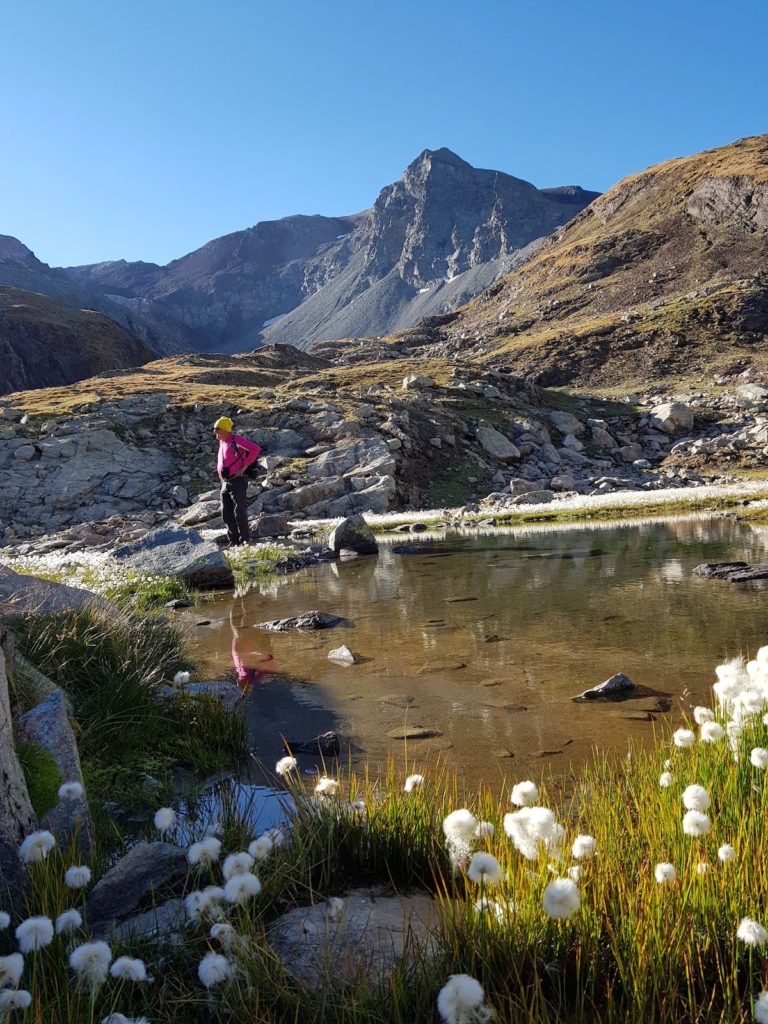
x,y
484,639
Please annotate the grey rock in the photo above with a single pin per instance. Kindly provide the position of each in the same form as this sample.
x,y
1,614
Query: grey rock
x,y
733,572
27,595
311,494
146,868
417,381
161,924
563,482
566,423
535,497
24,453
616,687
631,452
355,534
201,512
365,935
173,551
269,526
326,743
47,724
307,620
672,417
495,443
343,655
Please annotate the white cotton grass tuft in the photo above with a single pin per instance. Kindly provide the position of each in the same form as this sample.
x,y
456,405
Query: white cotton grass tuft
x,y
261,848
711,732
203,903
702,715
561,898
726,853
213,969
696,824
695,798
758,758
5,920
126,968
532,829
34,934
524,794
278,835
666,779
120,1018
484,869
77,877
683,737
459,825
584,847
286,765
237,864
91,962
702,868
70,791
14,999
207,851
326,787
181,678
165,819
462,1000
68,921
11,970
760,1008
225,935
412,783
751,933
665,872
574,873
36,847
241,888
484,830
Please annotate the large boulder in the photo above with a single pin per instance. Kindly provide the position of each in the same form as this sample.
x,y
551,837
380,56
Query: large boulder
x,y
495,443
354,534
311,494
145,869
672,417
566,423
173,551
26,595
17,819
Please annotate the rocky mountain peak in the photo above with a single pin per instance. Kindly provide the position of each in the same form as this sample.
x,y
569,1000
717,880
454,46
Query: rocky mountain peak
x,y
14,251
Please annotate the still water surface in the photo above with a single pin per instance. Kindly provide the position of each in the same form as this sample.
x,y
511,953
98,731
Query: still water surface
x,y
483,640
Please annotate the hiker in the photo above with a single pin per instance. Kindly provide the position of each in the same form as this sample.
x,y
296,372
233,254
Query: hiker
x,y
236,455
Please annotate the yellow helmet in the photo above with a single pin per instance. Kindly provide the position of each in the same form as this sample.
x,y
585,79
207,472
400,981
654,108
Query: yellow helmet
x,y
223,423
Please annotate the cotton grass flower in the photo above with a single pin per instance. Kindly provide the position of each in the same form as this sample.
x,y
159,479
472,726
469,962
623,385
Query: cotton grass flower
x,y
5,920
574,873
213,969
68,921
484,830
181,678
11,970
36,847
261,848
702,868
484,869
237,864
459,825
326,787
726,853
711,732
241,888
286,765
696,824
34,934
760,1008
759,758
165,819
524,794
561,898
665,873
462,1000
203,903
683,737
225,935
120,1018
584,847
207,851
702,715
77,877
665,780
14,999
91,962
412,783
126,968
751,933
70,791
695,798
532,829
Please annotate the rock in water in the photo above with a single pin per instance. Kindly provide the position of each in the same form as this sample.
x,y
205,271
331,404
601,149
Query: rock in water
x,y
355,535
326,743
343,655
615,688
307,620
172,551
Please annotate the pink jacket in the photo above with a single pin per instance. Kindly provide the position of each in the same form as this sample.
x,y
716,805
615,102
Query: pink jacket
x,y
236,453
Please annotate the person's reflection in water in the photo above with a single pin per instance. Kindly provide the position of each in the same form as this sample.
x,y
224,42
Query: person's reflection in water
x,y
249,673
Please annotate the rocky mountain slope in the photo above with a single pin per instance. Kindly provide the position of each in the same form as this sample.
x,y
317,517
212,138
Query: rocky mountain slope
x,y
432,241
43,342
665,276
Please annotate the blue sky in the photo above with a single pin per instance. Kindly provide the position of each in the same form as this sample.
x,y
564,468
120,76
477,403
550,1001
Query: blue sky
x,y
140,130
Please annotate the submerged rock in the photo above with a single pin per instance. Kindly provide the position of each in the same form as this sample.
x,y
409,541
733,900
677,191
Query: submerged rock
x,y
307,620
733,572
326,743
615,688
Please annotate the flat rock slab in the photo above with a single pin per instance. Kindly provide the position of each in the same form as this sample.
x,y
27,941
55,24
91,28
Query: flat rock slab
x,y
307,620
27,595
413,732
733,572
172,551
363,935
617,687
144,869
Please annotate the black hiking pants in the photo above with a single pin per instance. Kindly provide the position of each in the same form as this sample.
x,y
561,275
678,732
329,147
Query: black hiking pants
x,y
234,509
